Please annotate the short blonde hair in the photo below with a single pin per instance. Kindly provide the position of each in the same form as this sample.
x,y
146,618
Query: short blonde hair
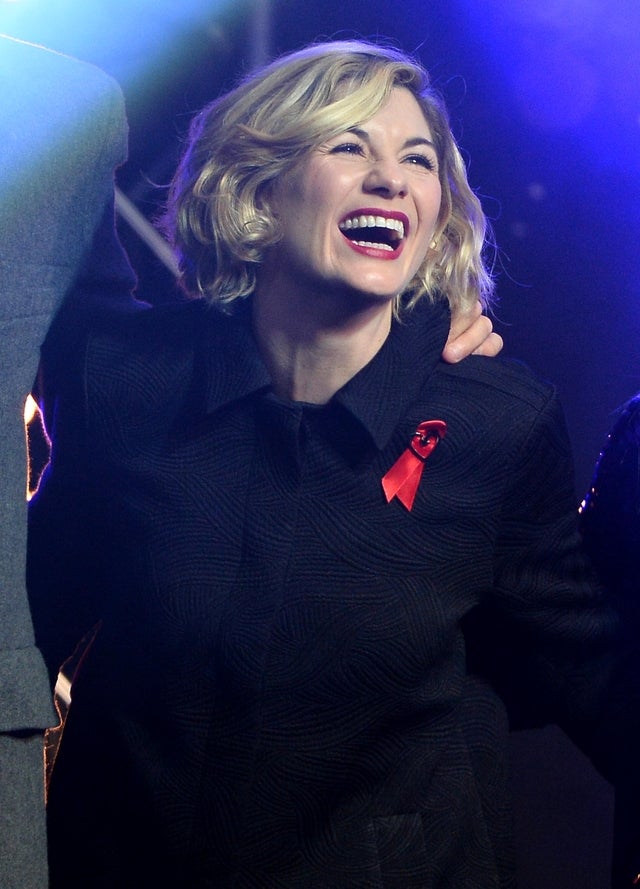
x,y
219,217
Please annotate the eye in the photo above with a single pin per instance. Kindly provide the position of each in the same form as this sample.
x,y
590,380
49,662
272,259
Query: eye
x,y
422,160
347,148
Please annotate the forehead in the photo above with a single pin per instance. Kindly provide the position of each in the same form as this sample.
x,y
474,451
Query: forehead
x,y
401,116
402,109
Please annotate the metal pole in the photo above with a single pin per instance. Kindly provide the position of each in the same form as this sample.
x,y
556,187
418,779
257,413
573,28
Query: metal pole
x,y
261,50
153,239
260,33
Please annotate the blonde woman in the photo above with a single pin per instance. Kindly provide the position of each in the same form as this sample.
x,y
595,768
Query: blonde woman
x,y
325,565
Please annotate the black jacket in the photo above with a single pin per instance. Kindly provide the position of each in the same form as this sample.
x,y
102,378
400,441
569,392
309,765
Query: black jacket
x,y
296,683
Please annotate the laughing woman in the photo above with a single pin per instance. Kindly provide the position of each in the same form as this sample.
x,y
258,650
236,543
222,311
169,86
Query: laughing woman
x,y
326,567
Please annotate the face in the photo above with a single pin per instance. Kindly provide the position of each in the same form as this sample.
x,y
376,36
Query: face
x,y
358,213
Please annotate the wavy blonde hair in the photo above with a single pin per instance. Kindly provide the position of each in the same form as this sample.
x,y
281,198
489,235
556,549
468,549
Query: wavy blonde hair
x,y
219,218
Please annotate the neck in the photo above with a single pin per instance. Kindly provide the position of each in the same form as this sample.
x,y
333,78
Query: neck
x,y
310,357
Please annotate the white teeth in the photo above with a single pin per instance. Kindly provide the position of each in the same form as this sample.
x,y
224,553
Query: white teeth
x,y
375,246
373,222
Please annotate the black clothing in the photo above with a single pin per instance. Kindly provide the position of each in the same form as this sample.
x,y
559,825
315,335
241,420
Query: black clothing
x,y
610,527
295,683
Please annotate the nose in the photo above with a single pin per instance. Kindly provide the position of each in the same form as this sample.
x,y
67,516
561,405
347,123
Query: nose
x,y
386,178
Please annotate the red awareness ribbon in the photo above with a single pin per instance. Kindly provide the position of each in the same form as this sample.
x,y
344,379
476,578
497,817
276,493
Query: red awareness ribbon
x,y
403,478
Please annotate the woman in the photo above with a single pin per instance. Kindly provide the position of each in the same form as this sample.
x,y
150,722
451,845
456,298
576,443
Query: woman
x,y
326,566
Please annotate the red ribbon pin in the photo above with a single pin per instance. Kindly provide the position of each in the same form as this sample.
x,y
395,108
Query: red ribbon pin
x,y
403,478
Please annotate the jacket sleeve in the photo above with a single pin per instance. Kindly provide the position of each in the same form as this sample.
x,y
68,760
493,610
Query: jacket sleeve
x,y
62,132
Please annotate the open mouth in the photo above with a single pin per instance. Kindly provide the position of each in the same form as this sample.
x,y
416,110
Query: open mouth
x,y
374,231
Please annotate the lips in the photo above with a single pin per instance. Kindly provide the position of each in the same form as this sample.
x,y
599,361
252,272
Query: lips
x,y
373,229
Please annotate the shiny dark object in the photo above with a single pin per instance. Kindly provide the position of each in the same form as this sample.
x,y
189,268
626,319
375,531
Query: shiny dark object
x,y
610,524
610,513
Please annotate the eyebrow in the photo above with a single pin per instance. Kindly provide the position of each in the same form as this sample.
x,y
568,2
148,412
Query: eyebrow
x,y
410,143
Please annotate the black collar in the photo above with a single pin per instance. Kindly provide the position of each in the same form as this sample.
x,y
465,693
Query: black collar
x,y
377,396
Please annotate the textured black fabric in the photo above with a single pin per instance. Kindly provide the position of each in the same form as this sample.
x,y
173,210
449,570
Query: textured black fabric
x,y
295,683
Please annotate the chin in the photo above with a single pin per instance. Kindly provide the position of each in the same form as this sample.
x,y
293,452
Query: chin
x,y
374,296
382,290
383,294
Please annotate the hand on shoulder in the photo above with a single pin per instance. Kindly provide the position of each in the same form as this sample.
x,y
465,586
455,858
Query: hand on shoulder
x,y
471,333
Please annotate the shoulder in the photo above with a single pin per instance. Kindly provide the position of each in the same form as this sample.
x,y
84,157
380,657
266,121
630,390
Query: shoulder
x,y
53,103
150,358
134,329
124,368
31,65
132,325
500,381
126,330
501,407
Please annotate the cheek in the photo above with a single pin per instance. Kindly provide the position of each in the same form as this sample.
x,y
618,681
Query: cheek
x,y
435,202
443,205
430,210
305,209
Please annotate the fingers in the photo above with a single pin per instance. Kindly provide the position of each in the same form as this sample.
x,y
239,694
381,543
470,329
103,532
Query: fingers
x,y
462,320
471,333
491,346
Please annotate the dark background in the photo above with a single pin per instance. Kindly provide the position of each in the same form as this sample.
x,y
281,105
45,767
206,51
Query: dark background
x,y
544,97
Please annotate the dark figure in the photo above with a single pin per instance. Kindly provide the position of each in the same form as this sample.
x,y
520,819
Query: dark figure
x,y
610,514
62,133
610,525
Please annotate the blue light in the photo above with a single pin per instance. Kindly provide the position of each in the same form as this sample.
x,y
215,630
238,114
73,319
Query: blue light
x,y
570,65
124,37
